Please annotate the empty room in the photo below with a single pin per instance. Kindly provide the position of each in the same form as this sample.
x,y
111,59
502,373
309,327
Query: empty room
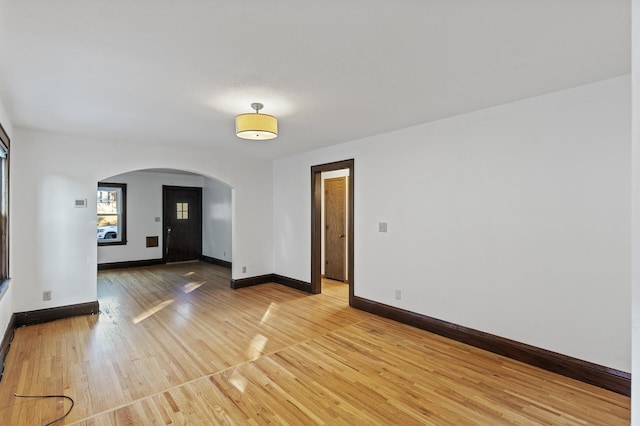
x,y
357,212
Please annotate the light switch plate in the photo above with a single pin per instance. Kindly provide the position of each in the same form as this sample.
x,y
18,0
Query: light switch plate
x,y
382,227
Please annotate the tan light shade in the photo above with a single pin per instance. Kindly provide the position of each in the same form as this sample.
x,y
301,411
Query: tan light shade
x,y
256,126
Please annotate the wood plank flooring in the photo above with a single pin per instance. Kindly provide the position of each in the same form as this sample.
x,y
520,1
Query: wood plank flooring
x,y
175,345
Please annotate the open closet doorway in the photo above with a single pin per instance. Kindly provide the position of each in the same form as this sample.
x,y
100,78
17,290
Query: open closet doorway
x,y
334,225
332,220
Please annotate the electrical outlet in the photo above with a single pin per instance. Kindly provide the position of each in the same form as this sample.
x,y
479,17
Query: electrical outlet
x,y
224,253
382,227
398,294
244,269
46,295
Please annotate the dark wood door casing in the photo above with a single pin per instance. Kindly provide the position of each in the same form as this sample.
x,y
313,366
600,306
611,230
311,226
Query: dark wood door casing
x,y
316,224
335,228
182,223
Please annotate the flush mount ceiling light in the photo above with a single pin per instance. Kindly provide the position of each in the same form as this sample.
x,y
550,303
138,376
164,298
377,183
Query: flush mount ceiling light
x,y
256,126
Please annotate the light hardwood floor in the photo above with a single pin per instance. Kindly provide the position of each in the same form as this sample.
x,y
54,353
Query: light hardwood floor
x,y
174,345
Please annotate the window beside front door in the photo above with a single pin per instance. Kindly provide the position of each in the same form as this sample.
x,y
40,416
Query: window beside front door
x,y
111,210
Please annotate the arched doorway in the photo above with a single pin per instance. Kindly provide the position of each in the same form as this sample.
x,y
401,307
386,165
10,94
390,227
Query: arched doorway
x,y
145,241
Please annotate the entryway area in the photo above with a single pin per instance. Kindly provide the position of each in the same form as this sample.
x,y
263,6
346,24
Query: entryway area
x,y
161,216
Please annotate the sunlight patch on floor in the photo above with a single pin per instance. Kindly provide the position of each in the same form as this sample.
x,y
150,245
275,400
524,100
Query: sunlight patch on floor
x,y
238,381
272,307
189,287
151,311
256,346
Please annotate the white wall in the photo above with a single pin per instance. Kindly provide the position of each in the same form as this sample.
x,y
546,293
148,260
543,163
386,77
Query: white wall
x,y
513,220
144,204
216,223
54,243
6,304
635,301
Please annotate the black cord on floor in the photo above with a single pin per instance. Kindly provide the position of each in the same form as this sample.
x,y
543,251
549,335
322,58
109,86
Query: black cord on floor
x,y
51,396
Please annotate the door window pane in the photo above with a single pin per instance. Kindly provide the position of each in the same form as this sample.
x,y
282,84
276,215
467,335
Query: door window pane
x,y
182,210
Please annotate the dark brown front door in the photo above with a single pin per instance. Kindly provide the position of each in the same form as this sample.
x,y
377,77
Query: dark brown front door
x,y
335,229
182,213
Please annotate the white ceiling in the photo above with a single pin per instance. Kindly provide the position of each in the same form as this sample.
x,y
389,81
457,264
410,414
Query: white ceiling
x,y
177,72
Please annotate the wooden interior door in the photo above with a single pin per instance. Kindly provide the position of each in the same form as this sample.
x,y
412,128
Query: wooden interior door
x,y
335,233
182,213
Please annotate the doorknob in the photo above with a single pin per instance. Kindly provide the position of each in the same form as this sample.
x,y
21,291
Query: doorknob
x,y
341,235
